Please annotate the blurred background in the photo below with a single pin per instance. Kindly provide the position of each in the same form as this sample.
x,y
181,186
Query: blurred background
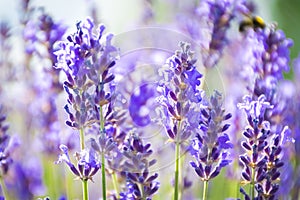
x,y
121,16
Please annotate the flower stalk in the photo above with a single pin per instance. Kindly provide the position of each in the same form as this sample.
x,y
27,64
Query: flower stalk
x,y
85,189
115,184
177,161
205,189
103,176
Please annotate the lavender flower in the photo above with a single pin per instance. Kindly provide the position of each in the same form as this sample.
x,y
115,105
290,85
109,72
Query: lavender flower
x,y
87,164
41,34
210,146
271,61
272,58
179,94
86,60
140,183
263,158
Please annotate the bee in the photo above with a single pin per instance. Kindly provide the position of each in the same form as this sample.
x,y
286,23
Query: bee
x,y
255,22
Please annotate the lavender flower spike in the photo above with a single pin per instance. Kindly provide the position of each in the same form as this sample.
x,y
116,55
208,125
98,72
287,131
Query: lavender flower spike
x,y
86,59
179,93
263,151
141,184
179,97
210,146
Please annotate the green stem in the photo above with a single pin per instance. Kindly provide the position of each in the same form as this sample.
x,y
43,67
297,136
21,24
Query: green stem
x,y
4,190
180,176
102,123
85,194
101,120
177,160
85,190
81,131
115,184
252,184
142,192
205,188
103,176
238,194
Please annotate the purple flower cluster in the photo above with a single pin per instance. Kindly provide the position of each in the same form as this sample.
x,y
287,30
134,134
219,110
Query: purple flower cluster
x,y
180,93
271,61
86,60
140,183
87,164
211,144
262,160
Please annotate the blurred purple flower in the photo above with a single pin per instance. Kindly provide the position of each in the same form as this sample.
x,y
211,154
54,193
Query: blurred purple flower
x,y
6,64
5,159
208,23
7,145
26,181
40,34
139,108
273,59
